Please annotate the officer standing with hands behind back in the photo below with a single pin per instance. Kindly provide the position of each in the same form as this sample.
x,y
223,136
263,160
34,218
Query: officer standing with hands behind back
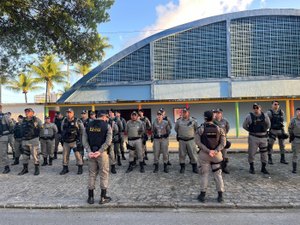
x,y
97,138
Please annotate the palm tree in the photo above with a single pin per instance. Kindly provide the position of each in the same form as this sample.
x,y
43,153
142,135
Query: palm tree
x,y
82,69
3,80
24,83
49,71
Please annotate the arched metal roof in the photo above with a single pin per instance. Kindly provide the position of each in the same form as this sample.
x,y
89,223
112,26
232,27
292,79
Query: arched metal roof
x,y
174,30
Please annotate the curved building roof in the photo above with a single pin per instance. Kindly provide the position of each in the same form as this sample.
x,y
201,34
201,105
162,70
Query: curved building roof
x,y
222,49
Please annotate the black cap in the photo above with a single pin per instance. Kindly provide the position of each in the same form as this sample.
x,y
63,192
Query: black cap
x,y
57,113
92,113
69,110
8,113
141,110
20,116
255,105
28,109
110,110
162,109
117,111
218,110
102,113
84,112
208,115
298,108
159,112
134,113
47,117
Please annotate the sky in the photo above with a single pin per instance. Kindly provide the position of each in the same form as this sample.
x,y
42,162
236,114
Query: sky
x,y
134,20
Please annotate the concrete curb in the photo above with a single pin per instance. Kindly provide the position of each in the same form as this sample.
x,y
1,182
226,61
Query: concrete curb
x,y
154,206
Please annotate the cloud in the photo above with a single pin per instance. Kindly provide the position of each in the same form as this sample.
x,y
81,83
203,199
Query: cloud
x,y
172,14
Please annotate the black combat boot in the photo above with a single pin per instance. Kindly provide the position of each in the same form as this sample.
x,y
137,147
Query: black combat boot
x,y
64,170
130,167
45,163
91,197
220,197
155,168
79,171
251,170
113,169
6,170
123,155
144,163
134,162
270,160
16,162
195,168
169,164
224,166
55,155
294,167
36,169
201,197
25,169
166,168
50,161
282,159
182,167
263,168
104,199
142,169
119,160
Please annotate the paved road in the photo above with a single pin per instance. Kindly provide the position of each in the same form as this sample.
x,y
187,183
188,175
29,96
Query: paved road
x,y
157,217
174,190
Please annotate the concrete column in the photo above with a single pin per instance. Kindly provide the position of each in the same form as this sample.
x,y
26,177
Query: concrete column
x,y
237,120
288,111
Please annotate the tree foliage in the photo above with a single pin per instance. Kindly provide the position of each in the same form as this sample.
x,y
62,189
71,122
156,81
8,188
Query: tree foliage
x,y
67,28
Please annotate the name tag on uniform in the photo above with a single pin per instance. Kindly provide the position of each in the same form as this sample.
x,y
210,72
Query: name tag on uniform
x,y
46,131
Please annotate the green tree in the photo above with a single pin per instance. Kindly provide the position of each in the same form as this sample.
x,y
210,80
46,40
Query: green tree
x,y
82,69
24,82
50,72
67,28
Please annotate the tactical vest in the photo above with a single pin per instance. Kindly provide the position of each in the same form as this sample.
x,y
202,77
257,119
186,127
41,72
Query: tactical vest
x,y
85,122
211,136
276,120
146,121
258,124
3,125
58,123
18,131
47,131
96,131
30,128
160,129
70,132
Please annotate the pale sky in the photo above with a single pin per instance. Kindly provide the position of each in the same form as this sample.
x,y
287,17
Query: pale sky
x,y
133,20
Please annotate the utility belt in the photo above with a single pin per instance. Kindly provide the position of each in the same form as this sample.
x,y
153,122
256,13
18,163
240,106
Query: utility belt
x,y
28,139
47,138
160,136
133,138
296,136
185,139
4,134
259,136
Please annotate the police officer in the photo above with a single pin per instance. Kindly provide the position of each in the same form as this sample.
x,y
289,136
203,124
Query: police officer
x,y
257,124
294,132
116,136
211,141
135,130
220,121
6,126
96,139
276,116
47,136
115,140
31,127
92,115
118,115
166,118
85,121
72,129
160,135
58,139
18,134
147,125
11,140
186,128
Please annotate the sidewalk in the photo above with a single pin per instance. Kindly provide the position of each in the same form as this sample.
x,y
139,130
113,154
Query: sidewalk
x,y
135,190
